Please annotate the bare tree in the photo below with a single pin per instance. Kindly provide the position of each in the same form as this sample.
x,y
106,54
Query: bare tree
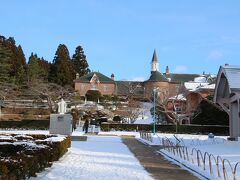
x,y
134,110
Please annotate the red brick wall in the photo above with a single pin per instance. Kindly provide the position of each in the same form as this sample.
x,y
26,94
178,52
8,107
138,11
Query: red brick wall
x,y
166,88
104,88
193,100
149,86
173,89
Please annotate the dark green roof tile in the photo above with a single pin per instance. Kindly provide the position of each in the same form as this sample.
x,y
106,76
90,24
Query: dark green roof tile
x,y
181,77
157,76
101,77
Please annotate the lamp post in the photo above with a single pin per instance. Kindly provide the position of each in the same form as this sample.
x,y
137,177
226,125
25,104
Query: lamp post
x,y
154,110
175,109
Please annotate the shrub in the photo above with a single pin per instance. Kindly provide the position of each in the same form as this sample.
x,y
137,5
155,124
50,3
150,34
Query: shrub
x,y
117,118
189,129
209,114
24,160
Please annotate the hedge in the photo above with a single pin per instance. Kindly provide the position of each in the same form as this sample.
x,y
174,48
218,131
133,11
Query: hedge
x,y
21,161
189,129
26,124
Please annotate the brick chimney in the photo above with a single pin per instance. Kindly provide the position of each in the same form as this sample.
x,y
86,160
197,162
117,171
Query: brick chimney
x,y
112,76
167,70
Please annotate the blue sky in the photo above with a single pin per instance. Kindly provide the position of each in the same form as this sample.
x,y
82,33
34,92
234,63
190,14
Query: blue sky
x,y
119,36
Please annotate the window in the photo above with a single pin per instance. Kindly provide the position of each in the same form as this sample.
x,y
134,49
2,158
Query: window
x,y
105,88
82,87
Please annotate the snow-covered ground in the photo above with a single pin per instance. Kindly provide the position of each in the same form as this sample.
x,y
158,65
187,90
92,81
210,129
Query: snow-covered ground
x,y
106,157
100,157
217,146
146,118
15,131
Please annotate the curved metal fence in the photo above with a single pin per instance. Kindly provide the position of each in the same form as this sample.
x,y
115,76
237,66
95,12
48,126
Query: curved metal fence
x,y
207,161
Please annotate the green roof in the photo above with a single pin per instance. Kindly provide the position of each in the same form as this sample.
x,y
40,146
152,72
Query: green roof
x,y
181,77
157,76
101,77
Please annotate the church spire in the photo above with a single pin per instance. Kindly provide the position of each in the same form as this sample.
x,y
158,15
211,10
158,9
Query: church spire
x,y
154,58
155,62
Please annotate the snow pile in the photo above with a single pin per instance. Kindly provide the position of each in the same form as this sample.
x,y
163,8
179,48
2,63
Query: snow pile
x,y
179,97
193,86
200,79
99,157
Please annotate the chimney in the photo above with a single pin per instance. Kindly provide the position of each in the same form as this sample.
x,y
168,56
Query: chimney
x,y
77,76
167,70
112,77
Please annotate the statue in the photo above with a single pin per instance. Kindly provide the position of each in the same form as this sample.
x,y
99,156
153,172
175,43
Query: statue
x,y
62,107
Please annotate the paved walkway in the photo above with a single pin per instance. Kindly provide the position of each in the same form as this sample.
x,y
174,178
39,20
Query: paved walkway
x,y
155,163
98,158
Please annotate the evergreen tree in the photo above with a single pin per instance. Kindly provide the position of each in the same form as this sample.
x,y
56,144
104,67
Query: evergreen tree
x,y
21,75
80,62
33,68
61,68
20,66
5,65
15,56
45,68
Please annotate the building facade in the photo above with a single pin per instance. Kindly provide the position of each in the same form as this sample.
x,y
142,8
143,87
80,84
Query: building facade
x,y
167,84
95,81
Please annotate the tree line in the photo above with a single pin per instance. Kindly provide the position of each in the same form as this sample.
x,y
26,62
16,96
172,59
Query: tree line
x,y
62,70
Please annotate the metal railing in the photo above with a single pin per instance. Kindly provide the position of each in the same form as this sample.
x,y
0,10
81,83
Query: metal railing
x,y
146,136
206,161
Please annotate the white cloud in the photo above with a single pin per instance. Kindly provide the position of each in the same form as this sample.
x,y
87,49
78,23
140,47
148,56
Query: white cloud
x,y
180,69
138,79
215,55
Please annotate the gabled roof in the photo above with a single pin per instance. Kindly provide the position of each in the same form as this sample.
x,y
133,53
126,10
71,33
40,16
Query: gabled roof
x,y
232,74
157,76
102,78
228,82
181,78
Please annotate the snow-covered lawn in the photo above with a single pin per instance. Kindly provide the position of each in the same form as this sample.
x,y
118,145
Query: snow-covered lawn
x,y
100,157
218,146
15,131
120,133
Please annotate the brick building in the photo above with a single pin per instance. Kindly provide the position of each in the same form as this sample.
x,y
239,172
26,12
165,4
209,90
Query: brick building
x,y
95,81
167,83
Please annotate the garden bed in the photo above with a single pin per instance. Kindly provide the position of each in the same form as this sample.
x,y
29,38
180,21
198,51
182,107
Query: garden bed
x,y
22,156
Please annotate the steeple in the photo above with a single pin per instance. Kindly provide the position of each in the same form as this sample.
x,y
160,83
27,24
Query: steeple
x,y
155,62
154,58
